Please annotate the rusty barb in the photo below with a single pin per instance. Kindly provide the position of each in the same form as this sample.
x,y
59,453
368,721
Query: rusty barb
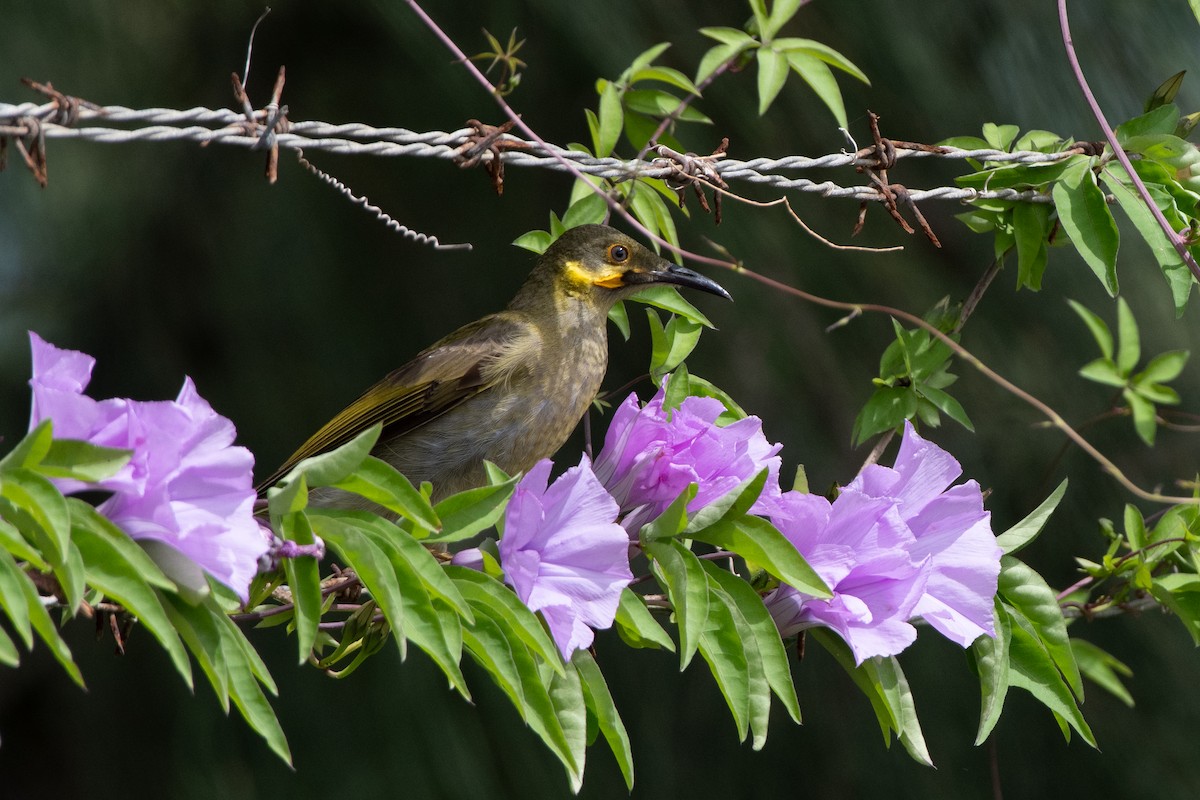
x,y
28,133
874,162
491,141
689,169
274,120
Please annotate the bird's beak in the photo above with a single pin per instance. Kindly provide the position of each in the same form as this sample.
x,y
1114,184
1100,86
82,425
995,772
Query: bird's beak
x,y
669,272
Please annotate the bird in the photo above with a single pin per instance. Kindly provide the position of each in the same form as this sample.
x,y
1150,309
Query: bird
x,y
508,388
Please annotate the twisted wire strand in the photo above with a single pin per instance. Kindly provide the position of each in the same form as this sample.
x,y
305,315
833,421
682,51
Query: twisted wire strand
x,y
225,126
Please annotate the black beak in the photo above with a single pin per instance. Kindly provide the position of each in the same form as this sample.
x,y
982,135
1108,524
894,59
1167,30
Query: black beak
x,y
680,276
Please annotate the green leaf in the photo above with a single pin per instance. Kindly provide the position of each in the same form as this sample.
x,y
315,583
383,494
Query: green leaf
x,y
566,695
600,703
759,542
109,570
1031,225
1164,367
503,606
12,598
733,504
1102,668
12,541
668,298
947,404
1145,416
1180,592
611,118
304,581
1102,371
885,410
1034,669
1129,351
718,55
824,52
1159,120
1085,217
1035,602
819,77
772,74
682,576
534,241
1179,278
372,564
380,482
657,103
1025,531
884,684
999,136
465,514
39,617
735,36
672,344
590,209
664,75
245,673
81,461
30,451
727,646
1096,325
637,626
992,663
766,636
618,315
9,656
43,505
326,469
781,12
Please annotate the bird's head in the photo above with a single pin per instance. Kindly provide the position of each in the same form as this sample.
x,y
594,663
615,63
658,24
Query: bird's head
x,y
603,265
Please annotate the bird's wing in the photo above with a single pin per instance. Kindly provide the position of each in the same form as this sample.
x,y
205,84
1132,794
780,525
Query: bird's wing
x,y
460,366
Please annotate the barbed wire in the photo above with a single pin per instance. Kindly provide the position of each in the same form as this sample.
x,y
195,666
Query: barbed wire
x,y
225,126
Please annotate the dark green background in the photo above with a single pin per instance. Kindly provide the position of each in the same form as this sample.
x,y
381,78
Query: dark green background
x,y
284,301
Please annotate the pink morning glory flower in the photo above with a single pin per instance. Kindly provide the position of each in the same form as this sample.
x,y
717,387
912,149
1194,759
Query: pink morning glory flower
x,y
186,485
898,543
650,456
564,554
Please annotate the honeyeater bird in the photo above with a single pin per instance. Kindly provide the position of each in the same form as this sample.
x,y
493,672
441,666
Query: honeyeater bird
x,y
509,387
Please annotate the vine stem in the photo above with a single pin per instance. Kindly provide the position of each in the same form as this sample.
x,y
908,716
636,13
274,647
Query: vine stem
x,y
1177,241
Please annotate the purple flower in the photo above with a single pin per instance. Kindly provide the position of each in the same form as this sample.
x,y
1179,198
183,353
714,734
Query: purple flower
x,y
898,543
650,456
563,553
186,485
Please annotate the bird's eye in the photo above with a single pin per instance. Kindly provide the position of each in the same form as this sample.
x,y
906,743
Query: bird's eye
x,y
618,253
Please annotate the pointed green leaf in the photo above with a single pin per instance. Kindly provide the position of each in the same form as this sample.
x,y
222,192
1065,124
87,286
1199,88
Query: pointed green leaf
x,y
46,509
1032,668
1145,416
1099,330
772,74
826,53
668,298
637,626
718,55
328,468
1175,271
760,543
1180,592
1164,367
566,694
81,461
1086,219
1102,668
992,663
1031,226
1027,529
600,703
304,581
30,451
728,653
465,514
1028,595
107,570
610,117
503,606
358,551
766,636
381,483
1129,349
13,598
680,573
1103,371
819,77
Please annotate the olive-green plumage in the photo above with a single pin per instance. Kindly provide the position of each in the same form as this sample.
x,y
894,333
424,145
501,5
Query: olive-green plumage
x,y
511,386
